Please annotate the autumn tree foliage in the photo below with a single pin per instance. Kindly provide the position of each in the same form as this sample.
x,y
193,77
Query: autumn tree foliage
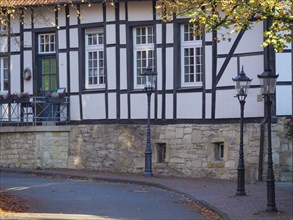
x,y
235,15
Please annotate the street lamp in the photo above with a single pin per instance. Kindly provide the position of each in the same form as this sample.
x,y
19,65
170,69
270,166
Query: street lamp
x,y
150,84
241,86
268,85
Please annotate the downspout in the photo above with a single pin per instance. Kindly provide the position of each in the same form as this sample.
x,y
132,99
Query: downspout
x,y
261,149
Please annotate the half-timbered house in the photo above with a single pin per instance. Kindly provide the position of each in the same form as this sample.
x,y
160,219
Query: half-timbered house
x,y
97,56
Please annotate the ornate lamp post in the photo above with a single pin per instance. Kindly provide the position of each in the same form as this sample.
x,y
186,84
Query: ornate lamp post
x,y
268,85
241,86
150,85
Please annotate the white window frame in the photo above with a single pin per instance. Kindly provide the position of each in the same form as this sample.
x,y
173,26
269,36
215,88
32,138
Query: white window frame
x,y
193,43
143,47
2,70
98,47
49,43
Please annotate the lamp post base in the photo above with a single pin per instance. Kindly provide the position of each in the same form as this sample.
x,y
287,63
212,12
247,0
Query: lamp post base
x,y
148,173
240,193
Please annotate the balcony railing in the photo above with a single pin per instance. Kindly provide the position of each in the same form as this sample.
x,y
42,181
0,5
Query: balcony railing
x,y
34,110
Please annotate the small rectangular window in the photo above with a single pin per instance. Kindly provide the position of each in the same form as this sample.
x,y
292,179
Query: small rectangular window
x,y
144,53
3,28
47,43
161,153
4,75
94,47
219,151
191,61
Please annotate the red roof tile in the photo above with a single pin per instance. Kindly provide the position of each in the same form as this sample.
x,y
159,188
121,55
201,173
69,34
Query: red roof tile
x,y
6,3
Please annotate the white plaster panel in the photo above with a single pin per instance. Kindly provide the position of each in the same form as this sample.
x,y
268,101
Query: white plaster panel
x,y
74,77
139,106
112,106
15,25
123,106
27,39
283,66
121,11
169,106
111,34
169,68
252,108
62,70
208,36
123,69
15,73
27,63
251,40
73,37
208,105
61,17
93,106
284,100
159,109
44,17
170,35
159,69
110,13
91,14
230,72
3,44
72,16
227,106
208,66
27,19
253,65
122,34
138,11
74,108
189,105
159,33
15,44
62,39
111,67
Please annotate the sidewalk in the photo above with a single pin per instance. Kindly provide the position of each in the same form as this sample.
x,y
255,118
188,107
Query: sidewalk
x,y
218,195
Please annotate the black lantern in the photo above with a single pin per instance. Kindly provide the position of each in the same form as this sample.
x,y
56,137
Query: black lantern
x,y
150,78
268,85
241,86
267,82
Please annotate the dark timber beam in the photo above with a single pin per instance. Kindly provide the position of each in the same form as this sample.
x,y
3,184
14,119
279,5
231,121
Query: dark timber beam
x,y
230,54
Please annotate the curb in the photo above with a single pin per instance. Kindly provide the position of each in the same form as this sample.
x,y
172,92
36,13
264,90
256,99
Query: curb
x,y
47,173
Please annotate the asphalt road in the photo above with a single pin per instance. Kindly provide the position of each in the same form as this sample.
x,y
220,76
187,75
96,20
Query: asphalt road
x,y
50,198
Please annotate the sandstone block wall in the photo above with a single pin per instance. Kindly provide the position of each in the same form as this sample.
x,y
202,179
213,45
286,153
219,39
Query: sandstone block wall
x,y
190,150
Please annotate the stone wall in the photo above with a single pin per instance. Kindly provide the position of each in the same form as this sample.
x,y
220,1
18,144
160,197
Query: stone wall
x,y
34,147
190,149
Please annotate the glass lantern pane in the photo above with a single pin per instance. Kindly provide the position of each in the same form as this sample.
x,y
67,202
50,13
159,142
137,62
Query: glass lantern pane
x,y
150,82
268,85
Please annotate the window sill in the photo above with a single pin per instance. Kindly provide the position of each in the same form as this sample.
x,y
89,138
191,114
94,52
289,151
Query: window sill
x,y
187,88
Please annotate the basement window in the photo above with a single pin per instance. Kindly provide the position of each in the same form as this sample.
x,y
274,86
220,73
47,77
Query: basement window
x,y
219,151
161,152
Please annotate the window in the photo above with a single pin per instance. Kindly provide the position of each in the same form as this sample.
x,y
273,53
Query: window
x,y
4,79
46,43
219,151
95,73
144,54
3,28
161,153
191,50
